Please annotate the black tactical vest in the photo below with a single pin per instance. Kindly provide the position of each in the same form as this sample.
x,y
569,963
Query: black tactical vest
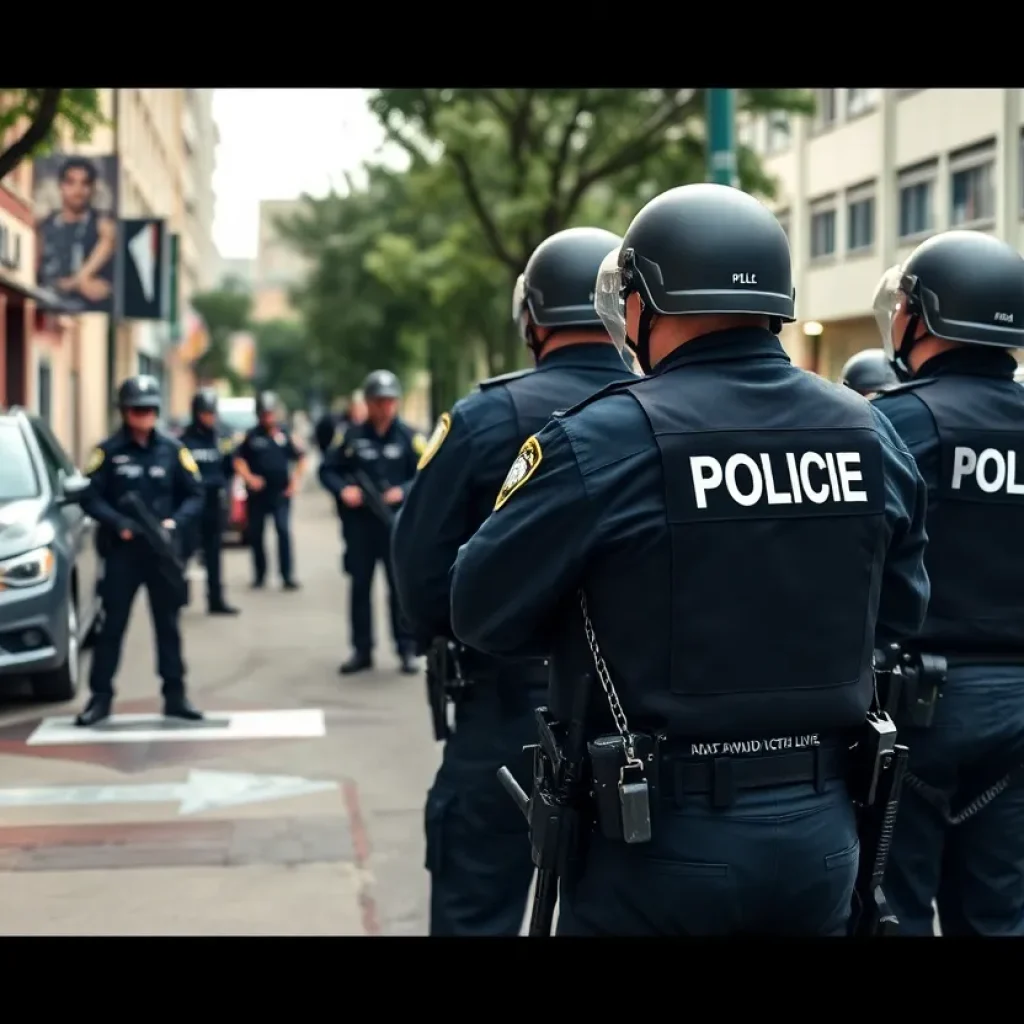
x,y
975,553
774,492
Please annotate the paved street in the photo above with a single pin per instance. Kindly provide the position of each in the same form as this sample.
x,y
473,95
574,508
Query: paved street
x,y
230,828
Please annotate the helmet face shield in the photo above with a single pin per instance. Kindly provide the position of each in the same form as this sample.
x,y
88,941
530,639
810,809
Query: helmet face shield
x,y
609,298
519,307
890,299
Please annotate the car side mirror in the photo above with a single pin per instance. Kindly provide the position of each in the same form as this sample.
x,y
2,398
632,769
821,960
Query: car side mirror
x,y
72,489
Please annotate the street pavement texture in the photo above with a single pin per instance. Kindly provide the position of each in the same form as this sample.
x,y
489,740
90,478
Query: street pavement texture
x,y
147,828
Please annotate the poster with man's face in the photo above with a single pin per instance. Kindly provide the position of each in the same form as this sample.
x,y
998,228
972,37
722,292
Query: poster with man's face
x,y
76,227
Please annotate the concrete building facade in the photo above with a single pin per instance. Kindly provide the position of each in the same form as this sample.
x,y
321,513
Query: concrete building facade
x,y
871,175
279,268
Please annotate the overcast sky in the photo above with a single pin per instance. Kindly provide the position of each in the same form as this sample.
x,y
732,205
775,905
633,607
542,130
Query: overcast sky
x,y
279,143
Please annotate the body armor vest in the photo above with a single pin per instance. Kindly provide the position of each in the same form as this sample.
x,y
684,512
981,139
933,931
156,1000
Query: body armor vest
x,y
975,556
774,494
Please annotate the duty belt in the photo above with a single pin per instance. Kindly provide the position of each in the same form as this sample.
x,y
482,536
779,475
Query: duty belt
x,y
524,672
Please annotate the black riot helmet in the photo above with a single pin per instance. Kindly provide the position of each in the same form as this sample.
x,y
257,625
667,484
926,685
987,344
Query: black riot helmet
x,y
961,286
141,392
868,372
699,249
266,401
382,384
557,287
204,401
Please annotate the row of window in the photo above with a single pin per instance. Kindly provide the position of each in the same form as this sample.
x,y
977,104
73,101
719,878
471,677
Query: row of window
x,y
972,203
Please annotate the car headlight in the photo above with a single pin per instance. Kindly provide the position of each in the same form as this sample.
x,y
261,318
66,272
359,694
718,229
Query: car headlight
x,y
27,570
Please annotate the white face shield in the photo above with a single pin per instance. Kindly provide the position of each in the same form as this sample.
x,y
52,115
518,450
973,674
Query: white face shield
x,y
519,306
889,300
608,300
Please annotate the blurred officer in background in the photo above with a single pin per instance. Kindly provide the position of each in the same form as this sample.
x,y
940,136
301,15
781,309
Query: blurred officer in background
x,y
344,413
868,372
480,883
264,461
138,458
949,318
212,448
369,469
709,553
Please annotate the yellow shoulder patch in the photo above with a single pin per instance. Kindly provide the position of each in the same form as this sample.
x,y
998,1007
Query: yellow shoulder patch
x,y
523,468
188,461
95,461
426,450
419,443
226,445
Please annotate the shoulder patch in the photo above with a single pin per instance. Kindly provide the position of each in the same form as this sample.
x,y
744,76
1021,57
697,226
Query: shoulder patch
x,y
188,461
615,388
429,449
96,457
526,463
504,378
338,438
226,445
899,389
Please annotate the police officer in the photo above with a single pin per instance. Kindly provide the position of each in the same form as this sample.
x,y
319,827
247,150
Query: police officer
x,y
382,453
719,543
868,372
138,458
264,461
949,317
212,448
480,885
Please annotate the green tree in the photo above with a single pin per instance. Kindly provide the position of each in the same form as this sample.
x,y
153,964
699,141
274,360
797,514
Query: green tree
x,y
285,362
224,311
44,114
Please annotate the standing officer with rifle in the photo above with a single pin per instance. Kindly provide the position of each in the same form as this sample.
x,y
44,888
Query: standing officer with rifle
x,y
481,883
212,449
369,468
868,373
950,317
709,553
145,490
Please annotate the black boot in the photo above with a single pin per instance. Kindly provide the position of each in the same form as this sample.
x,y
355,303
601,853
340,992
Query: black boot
x,y
291,585
221,608
181,707
409,666
358,662
97,710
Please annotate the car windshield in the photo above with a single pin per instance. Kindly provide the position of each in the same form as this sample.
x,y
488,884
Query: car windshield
x,y
17,474
237,420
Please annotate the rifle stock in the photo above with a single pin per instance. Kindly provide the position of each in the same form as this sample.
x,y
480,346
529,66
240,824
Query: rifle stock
x,y
171,566
372,497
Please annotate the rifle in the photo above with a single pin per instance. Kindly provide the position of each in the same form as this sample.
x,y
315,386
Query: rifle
x,y
171,566
879,767
443,676
552,812
372,497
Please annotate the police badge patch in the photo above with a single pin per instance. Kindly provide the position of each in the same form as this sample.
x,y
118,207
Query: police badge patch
x,y
95,461
522,469
188,461
444,424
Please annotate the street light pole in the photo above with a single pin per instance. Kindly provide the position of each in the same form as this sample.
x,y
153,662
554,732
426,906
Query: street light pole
x,y
721,130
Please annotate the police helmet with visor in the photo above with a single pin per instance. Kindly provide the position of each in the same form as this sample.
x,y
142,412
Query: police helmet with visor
x,y
868,372
141,392
381,384
961,286
204,401
266,402
556,290
699,249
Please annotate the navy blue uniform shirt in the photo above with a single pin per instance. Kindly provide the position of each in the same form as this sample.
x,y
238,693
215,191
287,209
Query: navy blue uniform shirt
x,y
162,471
269,454
591,509
213,450
456,487
388,459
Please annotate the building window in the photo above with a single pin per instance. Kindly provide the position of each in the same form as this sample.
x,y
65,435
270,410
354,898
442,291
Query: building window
x,y
826,112
778,132
860,218
973,185
823,229
44,391
917,199
860,101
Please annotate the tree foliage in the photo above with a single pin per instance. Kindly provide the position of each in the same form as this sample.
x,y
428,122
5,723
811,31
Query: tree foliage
x,y
282,362
416,267
43,114
224,311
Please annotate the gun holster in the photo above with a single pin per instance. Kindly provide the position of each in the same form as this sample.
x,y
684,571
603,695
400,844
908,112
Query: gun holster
x,y
612,775
553,813
910,684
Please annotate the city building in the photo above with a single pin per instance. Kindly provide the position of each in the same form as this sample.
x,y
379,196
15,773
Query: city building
x,y
867,178
279,268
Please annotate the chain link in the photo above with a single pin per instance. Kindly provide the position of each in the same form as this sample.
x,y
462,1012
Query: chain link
x,y
605,679
940,803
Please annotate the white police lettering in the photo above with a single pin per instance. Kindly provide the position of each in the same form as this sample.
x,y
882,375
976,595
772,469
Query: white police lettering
x,y
818,478
992,470
1004,318
765,746
744,278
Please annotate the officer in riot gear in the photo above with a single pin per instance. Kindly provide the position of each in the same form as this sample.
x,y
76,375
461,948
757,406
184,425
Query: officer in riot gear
x,y
480,884
868,372
709,553
213,450
950,317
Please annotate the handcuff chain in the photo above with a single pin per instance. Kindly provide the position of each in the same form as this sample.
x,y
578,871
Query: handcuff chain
x,y
605,679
